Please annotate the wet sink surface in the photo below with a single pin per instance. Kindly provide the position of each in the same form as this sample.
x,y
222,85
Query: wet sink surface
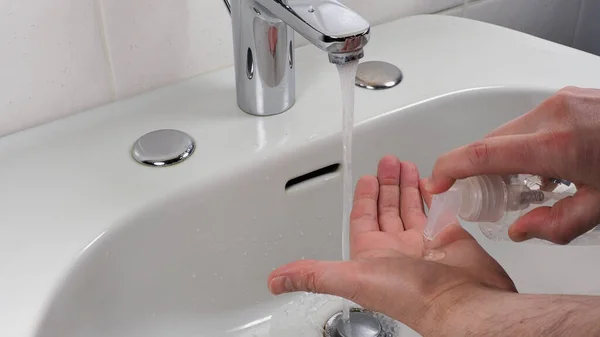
x,y
196,264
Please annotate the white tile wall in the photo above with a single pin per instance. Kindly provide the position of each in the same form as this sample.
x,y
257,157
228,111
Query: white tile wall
x,y
52,61
587,36
550,19
156,42
63,56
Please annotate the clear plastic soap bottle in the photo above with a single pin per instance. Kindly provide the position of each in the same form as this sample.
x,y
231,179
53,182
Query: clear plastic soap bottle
x,y
495,202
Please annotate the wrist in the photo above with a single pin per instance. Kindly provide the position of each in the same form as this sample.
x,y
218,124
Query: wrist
x,y
458,311
486,312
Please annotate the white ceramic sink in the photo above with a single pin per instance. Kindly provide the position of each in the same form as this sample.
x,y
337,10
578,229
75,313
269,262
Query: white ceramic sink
x,y
95,244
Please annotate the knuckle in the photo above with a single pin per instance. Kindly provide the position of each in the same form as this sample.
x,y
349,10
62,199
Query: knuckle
x,y
361,211
312,282
478,153
410,177
556,141
570,89
560,105
556,148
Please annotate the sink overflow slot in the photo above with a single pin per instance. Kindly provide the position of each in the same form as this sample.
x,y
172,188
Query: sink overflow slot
x,y
331,169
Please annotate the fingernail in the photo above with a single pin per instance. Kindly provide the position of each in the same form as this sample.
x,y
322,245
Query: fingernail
x,y
429,186
520,237
281,284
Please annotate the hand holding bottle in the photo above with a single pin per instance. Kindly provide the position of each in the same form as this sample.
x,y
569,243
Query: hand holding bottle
x,y
560,139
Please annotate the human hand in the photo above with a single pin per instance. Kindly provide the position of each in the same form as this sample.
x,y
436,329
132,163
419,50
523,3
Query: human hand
x,y
560,139
388,273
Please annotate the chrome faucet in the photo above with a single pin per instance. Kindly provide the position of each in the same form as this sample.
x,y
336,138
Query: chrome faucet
x,y
263,42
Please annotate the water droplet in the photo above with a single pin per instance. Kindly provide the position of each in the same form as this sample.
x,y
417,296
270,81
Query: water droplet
x,y
194,275
220,278
281,236
301,233
311,9
197,230
245,253
330,234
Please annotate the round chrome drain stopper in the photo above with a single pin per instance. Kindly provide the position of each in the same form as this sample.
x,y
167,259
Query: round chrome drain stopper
x,y
163,148
360,324
378,75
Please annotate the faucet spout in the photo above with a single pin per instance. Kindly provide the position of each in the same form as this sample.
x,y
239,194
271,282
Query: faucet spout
x,y
327,24
263,34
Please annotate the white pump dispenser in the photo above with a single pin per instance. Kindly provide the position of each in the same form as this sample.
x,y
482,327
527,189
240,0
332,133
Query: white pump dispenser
x,y
495,202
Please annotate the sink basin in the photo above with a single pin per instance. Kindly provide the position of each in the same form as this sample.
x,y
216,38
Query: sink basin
x,y
95,244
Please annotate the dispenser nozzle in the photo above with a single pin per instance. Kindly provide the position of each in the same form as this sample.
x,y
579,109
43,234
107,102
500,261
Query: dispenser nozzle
x,y
444,210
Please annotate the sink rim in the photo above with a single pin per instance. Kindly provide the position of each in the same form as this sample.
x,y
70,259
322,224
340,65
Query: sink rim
x,y
24,149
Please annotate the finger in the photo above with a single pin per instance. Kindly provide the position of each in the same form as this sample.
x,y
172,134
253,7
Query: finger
x,y
411,202
388,174
533,154
323,277
398,287
427,196
363,217
566,220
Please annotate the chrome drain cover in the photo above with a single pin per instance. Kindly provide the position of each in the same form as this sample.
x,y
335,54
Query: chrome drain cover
x,y
163,148
361,324
377,75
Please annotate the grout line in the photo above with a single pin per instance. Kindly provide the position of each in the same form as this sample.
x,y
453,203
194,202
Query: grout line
x,y
105,48
577,29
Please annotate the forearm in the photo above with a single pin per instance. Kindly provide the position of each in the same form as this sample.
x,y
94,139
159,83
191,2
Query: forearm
x,y
507,314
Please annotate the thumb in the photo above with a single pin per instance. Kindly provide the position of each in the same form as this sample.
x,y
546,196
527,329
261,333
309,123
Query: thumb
x,y
566,220
323,277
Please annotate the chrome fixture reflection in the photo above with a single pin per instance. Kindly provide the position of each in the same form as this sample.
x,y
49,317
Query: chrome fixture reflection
x,y
263,42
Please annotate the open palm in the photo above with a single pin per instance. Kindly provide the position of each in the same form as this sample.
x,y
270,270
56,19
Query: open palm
x,y
387,272
388,219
